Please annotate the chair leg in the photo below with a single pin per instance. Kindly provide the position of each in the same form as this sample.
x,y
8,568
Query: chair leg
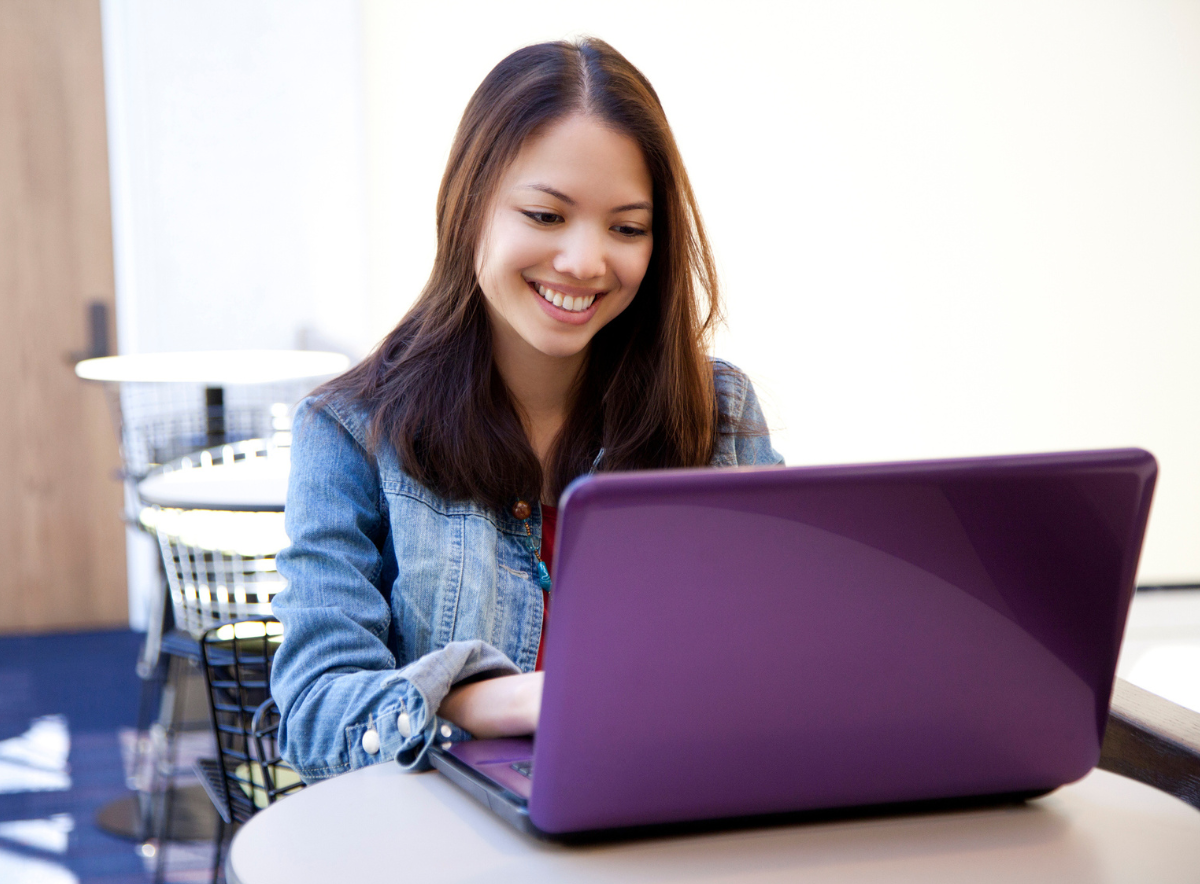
x,y
163,839
164,785
218,851
141,776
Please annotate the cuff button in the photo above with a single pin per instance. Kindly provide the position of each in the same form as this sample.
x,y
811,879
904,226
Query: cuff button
x,y
446,732
370,742
403,725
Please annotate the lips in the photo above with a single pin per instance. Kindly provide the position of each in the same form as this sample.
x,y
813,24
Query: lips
x,y
579,316
570,303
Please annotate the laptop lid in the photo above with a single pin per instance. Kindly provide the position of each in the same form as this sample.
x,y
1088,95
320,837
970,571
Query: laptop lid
x,y
750,641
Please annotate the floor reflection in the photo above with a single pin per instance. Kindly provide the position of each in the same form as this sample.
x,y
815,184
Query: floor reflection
x,y
49,835
36,761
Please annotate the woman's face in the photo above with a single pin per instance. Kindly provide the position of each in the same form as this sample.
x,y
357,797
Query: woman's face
x,y
567,240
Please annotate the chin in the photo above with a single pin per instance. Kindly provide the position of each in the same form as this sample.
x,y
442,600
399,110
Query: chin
x,y
562,349
556,344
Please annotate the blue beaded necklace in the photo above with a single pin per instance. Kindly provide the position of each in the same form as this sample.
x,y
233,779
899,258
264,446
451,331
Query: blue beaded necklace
x,y
523,511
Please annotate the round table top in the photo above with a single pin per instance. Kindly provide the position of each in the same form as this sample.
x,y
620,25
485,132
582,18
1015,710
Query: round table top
x,y
379,823
256,484
218,368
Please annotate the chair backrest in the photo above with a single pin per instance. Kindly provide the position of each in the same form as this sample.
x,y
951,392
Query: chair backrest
x,y
220,565
237,671
278,777
160,422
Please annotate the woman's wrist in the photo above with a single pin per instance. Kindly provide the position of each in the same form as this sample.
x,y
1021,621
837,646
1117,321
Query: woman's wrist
x,y
507,706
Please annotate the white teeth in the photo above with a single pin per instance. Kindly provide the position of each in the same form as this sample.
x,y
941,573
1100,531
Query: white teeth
x,y
566,302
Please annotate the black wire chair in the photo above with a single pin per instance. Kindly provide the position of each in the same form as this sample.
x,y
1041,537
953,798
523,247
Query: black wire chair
x,y
219,568
248,773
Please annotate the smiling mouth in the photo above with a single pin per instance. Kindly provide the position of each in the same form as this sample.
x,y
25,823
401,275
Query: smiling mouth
x,y
566,302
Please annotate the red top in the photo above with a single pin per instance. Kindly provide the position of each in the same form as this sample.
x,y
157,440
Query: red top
x,y
549,527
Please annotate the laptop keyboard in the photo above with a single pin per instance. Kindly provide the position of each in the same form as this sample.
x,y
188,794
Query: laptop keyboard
x,y
524,768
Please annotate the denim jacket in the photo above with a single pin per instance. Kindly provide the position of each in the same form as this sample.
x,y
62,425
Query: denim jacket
x,y
394,594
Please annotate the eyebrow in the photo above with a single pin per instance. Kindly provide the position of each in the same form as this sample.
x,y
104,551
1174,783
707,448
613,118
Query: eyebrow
x,y
559,195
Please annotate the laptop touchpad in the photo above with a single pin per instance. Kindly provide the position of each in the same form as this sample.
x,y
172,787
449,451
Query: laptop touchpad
x,y
506,762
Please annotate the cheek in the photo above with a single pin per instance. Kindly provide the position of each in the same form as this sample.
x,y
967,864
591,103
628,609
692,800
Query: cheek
x,y
499,253
633,266
514,248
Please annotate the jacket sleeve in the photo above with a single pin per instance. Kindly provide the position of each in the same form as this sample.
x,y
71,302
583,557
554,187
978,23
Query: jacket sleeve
x,y
334,677
743,438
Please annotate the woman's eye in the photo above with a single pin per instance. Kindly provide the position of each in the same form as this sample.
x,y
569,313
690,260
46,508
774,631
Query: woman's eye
x,y
631,232
542,217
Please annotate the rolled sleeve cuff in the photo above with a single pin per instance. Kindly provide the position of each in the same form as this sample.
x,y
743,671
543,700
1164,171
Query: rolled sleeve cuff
x,y
407,728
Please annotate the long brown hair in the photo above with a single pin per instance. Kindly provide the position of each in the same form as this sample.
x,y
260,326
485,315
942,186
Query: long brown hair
x,y
645,394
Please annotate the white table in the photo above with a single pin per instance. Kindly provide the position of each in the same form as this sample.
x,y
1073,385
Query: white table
x,y
213,368
380,824
256,484
146,387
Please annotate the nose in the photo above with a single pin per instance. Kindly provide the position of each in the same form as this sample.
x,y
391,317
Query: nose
x,y
582,254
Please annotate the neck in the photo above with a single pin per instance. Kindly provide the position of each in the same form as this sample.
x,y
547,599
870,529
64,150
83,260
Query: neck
x,y
541,386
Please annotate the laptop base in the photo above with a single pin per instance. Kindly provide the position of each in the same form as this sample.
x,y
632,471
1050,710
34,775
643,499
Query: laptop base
x,y
514,809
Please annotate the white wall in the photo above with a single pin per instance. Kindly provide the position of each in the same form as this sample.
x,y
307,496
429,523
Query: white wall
x,y
238,169
238,172
944,228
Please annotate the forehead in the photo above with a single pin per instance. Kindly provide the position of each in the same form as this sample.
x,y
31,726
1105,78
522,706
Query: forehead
x,y
584,159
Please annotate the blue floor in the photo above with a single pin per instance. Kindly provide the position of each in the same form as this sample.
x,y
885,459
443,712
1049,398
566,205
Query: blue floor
x,y
88,682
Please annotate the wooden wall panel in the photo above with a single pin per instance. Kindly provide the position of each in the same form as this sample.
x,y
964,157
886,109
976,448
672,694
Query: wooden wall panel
x,y
62,545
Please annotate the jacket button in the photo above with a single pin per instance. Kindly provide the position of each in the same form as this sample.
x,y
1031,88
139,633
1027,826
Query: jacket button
x,y
370,742
521,510
403,725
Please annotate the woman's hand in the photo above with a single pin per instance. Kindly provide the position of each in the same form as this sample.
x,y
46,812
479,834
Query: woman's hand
x,y
507,706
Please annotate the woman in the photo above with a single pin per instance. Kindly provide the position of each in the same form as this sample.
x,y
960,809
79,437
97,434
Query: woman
x,y
562,330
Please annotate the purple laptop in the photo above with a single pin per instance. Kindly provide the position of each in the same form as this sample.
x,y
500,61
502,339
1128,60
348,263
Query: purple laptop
x,y
727,643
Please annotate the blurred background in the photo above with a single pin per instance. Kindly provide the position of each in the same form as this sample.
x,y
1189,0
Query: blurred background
x,y
943,228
